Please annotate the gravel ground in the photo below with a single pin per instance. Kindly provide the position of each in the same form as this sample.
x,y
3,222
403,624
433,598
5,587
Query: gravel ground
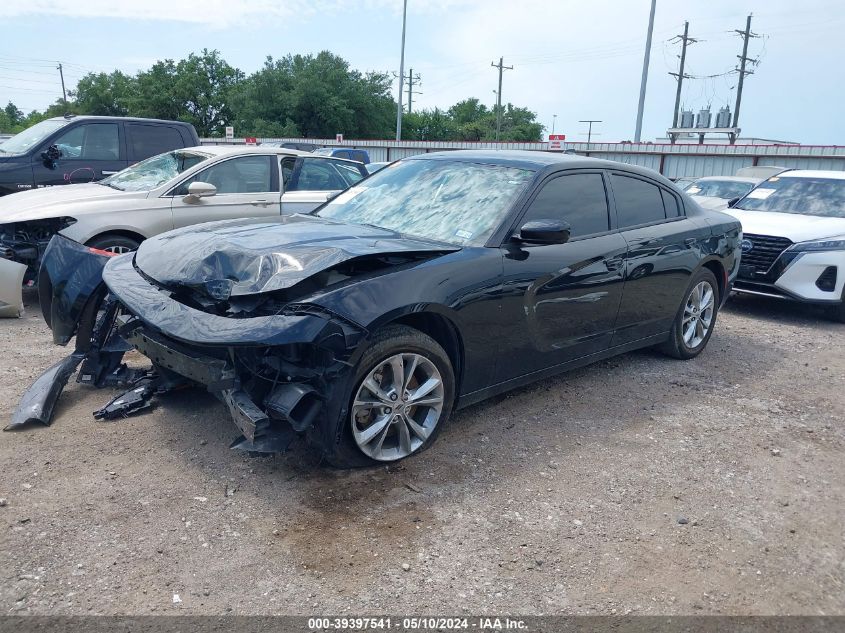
x,y
637,485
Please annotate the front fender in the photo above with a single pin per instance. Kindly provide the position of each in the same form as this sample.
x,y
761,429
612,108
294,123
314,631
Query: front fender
x,y
70,278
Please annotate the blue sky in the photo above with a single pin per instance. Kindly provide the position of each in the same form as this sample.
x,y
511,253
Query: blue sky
x,y
571,58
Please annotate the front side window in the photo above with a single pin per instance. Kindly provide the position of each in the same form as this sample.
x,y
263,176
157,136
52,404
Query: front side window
x,y
810,196
246,174
578,199
90,141
637,201
31,137
155,171
450,201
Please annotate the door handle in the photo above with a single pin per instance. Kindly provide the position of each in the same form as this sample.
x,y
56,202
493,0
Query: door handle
x,y
109,172
614,264
260,203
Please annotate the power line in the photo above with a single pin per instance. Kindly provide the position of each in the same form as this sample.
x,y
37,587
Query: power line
x,y
62,76
412,79
680,76
501,68
590,128
746,36
646,58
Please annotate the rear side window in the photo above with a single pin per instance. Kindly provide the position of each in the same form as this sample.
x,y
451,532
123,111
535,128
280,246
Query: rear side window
x,y
578,199
670,203
637,202
149,140
350,173
317,174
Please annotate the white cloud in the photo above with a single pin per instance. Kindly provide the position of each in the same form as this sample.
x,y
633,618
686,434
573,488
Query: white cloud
x,y
213,13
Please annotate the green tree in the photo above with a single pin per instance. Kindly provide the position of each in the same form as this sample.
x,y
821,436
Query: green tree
x,y
13,115
203,86
104,94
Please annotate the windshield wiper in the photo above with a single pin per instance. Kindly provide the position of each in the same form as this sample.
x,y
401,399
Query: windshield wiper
x,y
108,184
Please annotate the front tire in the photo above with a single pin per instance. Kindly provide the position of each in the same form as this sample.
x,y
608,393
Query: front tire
x,y
696,317
401,397
114,243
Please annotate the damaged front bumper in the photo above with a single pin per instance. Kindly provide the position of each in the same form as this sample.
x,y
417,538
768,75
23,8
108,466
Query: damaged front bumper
x,y
278,375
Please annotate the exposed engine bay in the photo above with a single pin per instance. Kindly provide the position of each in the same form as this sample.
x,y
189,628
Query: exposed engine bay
x,y
25,242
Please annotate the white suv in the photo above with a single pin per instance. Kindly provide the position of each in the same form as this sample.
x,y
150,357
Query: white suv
x,y
793,243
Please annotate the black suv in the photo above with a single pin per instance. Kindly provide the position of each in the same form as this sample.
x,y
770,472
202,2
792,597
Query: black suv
x,y
74,149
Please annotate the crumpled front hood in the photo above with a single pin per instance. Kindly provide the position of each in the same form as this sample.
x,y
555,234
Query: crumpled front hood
x,y
258,255
52,202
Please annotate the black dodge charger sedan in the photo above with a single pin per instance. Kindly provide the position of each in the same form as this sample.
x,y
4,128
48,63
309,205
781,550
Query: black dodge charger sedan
x,y
437,282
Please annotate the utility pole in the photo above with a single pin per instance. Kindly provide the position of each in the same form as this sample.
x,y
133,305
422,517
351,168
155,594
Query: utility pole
x,y
590,129
639,129
685,39
62,75
554,120
746,35
501,68
401,75
412,79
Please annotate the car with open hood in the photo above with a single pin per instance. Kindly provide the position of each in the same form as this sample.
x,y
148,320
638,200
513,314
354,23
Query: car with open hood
x,y
439,281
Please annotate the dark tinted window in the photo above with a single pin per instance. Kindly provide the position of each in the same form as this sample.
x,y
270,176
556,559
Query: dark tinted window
x,y
637,202
149,140
317,175
577,198
670,203
90,141
349,172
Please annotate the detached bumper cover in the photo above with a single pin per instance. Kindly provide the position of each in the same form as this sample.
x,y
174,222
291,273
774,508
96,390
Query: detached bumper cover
x,y
11,280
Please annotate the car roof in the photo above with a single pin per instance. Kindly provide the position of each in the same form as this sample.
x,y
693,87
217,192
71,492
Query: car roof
x,y
747,179
811,173
224,150
536,160
131,119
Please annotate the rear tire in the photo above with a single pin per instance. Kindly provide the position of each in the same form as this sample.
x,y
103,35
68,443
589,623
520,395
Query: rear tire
x,y
696,317
114,243
394,427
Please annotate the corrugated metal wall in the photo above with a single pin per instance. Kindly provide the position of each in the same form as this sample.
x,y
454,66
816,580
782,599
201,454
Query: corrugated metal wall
x,y
673,161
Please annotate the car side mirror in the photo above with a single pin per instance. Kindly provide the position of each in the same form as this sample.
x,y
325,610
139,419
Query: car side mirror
x,y
197,190
50,156
545,232
732,202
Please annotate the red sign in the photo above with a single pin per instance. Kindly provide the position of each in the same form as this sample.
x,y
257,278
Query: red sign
x,y
556,141
338,138
251,140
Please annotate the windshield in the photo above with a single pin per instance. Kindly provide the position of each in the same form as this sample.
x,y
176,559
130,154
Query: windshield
x,y
449,201
31,136
155,171
808,196
726,189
